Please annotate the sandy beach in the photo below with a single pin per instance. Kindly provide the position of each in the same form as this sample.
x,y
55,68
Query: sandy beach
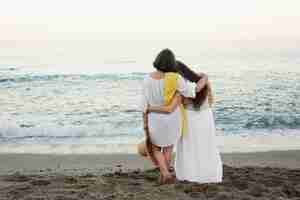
x,y
262,175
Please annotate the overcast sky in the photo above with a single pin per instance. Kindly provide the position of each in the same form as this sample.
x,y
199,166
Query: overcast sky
x,y
112,19
88,32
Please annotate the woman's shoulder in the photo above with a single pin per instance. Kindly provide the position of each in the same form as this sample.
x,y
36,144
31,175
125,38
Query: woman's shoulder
x,y
148,79
146,76
182,81
171,73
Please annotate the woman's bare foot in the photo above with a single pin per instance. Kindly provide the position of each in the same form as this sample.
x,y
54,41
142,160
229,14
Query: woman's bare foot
x,y
167,179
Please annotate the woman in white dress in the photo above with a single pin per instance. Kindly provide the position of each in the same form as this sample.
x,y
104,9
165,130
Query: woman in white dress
x,y
163,129
197,156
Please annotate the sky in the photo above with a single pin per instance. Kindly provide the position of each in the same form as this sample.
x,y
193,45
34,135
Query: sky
x,y
57,19
56,28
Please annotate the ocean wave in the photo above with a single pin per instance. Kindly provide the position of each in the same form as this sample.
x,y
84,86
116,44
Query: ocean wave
x,y
8,68
11,130
226,144
131,111
82,131
273,122
30,78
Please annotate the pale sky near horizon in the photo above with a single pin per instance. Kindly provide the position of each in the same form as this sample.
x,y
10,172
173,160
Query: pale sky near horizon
x,y
68,19
43,31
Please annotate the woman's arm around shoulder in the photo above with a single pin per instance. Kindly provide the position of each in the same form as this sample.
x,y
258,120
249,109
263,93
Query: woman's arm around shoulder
x,y
169,108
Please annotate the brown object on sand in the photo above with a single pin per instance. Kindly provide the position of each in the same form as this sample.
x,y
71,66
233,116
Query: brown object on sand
x,y
141,148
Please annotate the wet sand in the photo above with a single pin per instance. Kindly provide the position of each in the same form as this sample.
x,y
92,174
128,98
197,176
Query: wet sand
x,y
265,175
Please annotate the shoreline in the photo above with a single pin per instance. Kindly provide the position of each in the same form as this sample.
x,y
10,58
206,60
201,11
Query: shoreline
x,y
225,143
103,163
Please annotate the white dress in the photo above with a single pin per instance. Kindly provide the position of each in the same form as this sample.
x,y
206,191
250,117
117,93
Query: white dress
x,y
197,156
164,129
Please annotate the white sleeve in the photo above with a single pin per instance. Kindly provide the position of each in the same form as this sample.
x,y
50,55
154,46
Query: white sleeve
x,y
186,88
144,102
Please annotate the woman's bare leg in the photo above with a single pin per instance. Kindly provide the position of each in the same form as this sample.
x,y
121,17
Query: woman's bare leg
x,y
159,156
167,151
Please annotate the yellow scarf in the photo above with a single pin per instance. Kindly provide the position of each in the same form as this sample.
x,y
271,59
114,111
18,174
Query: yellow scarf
x,y
169,92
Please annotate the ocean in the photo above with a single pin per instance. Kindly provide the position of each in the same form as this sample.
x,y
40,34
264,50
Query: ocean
x,y
58,110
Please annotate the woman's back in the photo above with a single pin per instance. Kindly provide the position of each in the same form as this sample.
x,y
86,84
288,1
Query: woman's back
x,y
154,91
164,128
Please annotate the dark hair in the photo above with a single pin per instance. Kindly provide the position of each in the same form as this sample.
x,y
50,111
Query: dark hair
x,y
192,76
165,61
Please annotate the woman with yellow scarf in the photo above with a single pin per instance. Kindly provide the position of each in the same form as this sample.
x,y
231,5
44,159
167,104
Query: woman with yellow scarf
x,y
163,130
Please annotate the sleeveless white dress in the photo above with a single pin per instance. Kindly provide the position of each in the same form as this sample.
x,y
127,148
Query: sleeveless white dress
x,y
197,156
164,128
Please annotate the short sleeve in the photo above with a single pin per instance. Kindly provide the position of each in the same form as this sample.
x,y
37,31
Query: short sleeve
x,y
186,88
143,102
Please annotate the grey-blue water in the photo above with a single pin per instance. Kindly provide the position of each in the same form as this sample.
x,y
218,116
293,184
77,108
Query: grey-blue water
x,y
38,107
